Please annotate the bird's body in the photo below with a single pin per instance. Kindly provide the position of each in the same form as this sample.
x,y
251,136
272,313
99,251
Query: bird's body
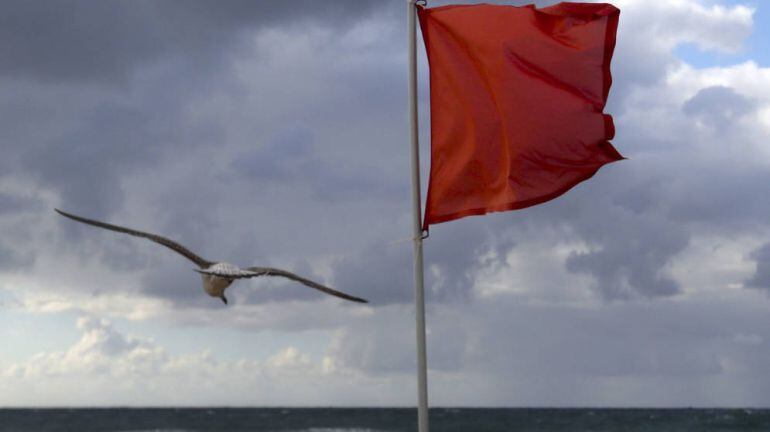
x,y
215,286
216,276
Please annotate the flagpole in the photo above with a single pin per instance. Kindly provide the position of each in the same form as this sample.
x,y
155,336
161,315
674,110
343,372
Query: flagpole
x,y
419,290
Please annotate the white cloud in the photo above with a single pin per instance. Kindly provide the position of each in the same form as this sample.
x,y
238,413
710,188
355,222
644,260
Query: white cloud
x,y
101,350
289,358
107,365
668,23
137,370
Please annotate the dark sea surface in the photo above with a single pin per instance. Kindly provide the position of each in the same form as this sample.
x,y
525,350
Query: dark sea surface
x,y
381,419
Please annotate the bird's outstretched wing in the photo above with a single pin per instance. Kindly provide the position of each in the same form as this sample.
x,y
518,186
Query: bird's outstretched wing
x,y
202,263
269,271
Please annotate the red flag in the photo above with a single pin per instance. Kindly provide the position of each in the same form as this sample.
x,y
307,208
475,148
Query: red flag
x,y
516,96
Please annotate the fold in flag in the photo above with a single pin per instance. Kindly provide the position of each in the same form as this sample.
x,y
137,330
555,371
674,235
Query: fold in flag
x,y
516,97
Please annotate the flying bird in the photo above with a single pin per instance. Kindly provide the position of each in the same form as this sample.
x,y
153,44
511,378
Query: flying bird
x,y
217,276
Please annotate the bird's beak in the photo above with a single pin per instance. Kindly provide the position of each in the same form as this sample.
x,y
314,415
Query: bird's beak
x,y
224,299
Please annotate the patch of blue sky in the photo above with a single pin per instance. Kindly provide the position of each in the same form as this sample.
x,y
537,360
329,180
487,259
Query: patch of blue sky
x,y
755,48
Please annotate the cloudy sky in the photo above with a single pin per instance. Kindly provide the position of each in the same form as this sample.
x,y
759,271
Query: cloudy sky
x,y
274,133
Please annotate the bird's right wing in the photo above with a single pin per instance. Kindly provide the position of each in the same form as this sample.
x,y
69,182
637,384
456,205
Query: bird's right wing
x,y
202,263
269,271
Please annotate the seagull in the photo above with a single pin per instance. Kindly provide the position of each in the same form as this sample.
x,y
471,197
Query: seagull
x,y
217,276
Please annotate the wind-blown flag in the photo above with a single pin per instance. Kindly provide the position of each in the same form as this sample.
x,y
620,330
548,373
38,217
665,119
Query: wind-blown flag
x,y
516,96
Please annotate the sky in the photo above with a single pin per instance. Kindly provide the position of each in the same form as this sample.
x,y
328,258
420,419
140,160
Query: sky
x,y
275,133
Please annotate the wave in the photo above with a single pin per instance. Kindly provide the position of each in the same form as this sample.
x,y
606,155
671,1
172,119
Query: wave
x,y
340,430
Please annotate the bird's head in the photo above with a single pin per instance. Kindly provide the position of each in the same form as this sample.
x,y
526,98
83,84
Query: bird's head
x,y
226,282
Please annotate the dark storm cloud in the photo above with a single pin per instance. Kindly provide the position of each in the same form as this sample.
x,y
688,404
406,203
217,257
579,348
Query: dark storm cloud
x,y
15,242
378,349
85,165
169,276
511,342
165,273
88,40
639,198
380,273
11,204
718,106
637,223
629,249
635,216
722,195
457,252
82,41
384,344
631,267
113,133
612,341
628,220
629,238
281,159
631,241
267,289
11,259
176,282
119,252
761,277
291,156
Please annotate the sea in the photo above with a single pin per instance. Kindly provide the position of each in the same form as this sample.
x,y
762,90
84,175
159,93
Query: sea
x,y
381,420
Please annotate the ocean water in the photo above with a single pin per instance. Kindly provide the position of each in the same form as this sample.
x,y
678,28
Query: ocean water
x,y
381,420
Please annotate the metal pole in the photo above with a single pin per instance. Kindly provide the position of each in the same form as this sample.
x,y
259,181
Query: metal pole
x,y
419,290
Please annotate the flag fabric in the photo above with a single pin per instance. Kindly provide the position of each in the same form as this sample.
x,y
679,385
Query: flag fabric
x,y
517,97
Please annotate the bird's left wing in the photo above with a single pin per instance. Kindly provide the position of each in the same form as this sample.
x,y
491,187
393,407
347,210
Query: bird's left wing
x,y
269,271
176,247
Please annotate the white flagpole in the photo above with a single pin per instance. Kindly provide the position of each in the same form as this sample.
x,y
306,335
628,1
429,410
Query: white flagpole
x,y
419,290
